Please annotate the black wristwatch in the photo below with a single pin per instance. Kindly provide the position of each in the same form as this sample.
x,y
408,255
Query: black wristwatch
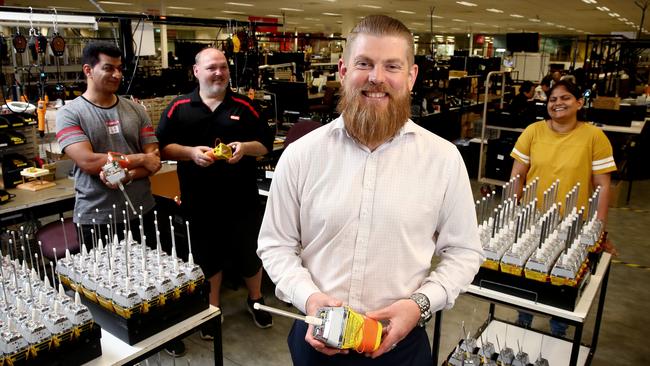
x,y
423,303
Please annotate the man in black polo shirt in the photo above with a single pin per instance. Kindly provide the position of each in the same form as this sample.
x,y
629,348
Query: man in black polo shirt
x,y
192,125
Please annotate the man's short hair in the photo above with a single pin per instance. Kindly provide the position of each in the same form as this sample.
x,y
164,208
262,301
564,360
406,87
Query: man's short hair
x,y
526,86
381,25
547,80
92,51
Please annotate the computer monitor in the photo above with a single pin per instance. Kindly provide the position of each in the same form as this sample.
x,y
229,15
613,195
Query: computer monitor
x,y
290,97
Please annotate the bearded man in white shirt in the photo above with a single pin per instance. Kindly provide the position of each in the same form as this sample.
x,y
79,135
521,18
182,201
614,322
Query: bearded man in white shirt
x,y
359,207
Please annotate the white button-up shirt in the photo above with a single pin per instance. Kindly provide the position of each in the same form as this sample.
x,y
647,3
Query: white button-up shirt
x,y
363,226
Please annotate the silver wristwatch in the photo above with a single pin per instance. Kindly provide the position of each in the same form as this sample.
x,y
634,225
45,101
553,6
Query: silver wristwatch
x,y
423,303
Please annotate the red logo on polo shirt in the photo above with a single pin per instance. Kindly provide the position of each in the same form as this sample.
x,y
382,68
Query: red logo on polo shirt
x,y
113,127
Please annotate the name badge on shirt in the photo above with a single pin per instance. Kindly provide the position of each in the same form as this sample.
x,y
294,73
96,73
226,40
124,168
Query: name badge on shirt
x,y
113,127
236,118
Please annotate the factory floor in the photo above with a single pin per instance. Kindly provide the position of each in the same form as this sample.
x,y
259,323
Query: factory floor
x,y
623,334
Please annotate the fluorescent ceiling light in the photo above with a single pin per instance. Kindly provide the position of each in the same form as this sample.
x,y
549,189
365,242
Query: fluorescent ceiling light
x,y
561,26
435,16
339,22
332,14
516,15
312,19
589,1
114,3
500,50
614,15
571,28
479,23
63,7
458,20
493,10
465,3
232,12
291,9
178,14
406,12
273,15
8,18
239,4
415,23
180,8
550,23
623,19
370,6
602,8
534,20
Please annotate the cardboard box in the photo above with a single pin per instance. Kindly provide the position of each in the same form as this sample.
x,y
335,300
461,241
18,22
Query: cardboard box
x,y
612,103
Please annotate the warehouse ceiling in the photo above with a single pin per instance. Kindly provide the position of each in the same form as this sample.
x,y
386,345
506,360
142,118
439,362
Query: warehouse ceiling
x,y
566,17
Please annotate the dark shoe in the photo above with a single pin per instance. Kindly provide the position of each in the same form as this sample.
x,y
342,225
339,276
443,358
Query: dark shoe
x,y
261,318
175,349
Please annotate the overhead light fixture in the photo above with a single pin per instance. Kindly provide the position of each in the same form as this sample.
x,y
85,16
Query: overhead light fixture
x,y
479,23
232,12
406,12
178,14
516,15
370,6
571,28
623,19
180,8
493,10
465,3
500,50
415,23
550,23
602,8
534,20
273,16
291,9
332,14
458,20
614,15
589,1
560,26
313,19
63,7
115,3
339,22
12,19
435,16
239,4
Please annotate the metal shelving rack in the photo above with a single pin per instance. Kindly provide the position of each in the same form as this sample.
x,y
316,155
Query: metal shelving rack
x,y
483,141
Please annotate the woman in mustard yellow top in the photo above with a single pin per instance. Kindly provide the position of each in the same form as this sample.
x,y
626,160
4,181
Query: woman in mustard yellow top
x,y
566,149
569,150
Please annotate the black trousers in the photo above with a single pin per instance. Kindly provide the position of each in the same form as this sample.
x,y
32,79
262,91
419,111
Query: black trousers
x,y
413,350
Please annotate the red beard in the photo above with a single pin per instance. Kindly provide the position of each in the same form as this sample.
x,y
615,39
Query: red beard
x,y
369,124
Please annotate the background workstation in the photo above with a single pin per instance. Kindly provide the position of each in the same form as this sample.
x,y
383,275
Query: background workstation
x,y
472,57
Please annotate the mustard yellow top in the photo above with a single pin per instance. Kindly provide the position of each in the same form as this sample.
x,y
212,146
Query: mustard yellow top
x,y
570,157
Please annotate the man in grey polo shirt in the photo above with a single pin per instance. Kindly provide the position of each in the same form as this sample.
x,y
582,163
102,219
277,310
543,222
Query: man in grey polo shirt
x,y
99,122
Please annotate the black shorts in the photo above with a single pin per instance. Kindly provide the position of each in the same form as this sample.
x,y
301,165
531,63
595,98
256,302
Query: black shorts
x,y
223,240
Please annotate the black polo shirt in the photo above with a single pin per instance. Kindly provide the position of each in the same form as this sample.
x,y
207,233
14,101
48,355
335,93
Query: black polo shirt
x,y
188,121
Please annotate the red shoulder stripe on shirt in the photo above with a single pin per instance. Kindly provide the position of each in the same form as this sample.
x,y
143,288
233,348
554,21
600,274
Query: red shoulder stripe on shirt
x,y
176,104
146,129
247,105
67,130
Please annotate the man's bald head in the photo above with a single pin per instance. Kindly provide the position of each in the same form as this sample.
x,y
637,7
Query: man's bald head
x,y
206,51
